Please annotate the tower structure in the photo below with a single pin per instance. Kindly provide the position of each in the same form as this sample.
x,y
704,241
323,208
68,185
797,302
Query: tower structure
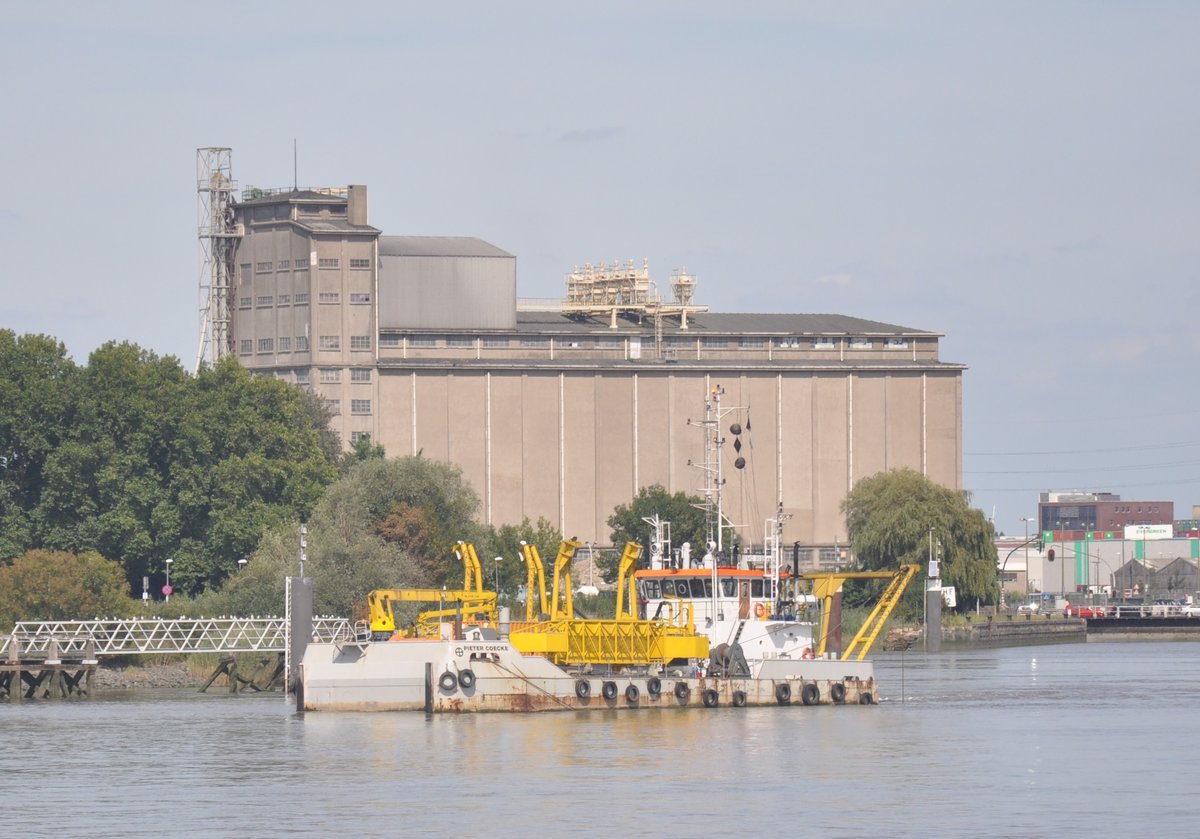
x,y
218,234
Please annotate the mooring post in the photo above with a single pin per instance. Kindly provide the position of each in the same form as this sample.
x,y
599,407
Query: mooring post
x,y
16,686
429,687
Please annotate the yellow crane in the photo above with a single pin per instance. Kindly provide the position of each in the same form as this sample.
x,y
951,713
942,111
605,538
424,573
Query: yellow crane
x,y
826,584
562,603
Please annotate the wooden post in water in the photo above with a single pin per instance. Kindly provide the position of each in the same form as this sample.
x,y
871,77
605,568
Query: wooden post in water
x,y
16,686
429,687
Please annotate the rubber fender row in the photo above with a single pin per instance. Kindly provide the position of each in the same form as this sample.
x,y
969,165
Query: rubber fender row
x,y
465,679
810,694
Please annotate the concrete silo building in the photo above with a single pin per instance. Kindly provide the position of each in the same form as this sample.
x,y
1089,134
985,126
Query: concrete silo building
x,y
565,410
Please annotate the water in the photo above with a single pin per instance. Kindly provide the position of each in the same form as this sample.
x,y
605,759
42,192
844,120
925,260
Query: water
x,y
1095,739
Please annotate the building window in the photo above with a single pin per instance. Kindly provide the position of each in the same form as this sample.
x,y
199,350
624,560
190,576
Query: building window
x,y
360,406
360,297
788,342
334,406
459,342
360,374
822,343
329,342
284,300
539,343
266,344
244,302
301,377
302,299
422,342
860,343
328,297
495,342
246,266
897,343
359,436
360,263
302,263
246,346
301,343
329,262
263,301
714,343
262,267
282,265
679,343
389,340
360,342
608,343
330,375
285,344
752,343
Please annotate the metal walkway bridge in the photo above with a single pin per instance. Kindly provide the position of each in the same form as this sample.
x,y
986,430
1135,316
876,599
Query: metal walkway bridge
x,y
141,636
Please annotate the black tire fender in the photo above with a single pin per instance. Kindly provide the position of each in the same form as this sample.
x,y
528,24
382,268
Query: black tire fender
x,y
632,694
654,686
783,693
583,688
682,691
837,692
739,698
711,698
447,681
865,698
810,694
609,690
466,678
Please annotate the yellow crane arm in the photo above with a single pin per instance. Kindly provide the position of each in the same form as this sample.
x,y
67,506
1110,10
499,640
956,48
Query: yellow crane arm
x,y
879,615
564,604
379,603
535,581
629,558
826,584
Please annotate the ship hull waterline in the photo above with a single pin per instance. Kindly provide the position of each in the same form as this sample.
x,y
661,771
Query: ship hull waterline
x,y
449,676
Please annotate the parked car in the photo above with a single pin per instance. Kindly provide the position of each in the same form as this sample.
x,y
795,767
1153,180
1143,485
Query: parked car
x,y
1163,608
1073,610
1030,607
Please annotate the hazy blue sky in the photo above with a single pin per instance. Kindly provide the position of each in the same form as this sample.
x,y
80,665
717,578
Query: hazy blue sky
x,y
1021,177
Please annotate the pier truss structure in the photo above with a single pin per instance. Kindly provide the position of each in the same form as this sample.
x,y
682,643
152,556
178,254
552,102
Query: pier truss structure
x,y
141,636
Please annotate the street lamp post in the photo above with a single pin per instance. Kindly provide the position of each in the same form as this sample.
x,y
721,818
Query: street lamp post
x,y
498,560
1027,520
167,588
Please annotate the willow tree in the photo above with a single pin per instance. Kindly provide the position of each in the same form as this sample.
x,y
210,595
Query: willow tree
x,y
894,517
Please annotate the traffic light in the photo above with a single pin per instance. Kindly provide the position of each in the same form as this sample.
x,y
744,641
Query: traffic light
x,y
1050,555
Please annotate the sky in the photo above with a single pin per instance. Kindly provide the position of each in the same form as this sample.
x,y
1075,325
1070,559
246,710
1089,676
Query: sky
x,y
1021,177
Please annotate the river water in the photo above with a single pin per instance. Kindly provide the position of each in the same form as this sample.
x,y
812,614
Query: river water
x,y
1095,739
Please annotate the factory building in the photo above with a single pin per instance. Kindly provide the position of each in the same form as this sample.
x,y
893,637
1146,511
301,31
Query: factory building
x,y
565,409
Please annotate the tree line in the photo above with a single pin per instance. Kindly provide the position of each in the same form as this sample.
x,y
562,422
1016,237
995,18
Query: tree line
x,y
111,468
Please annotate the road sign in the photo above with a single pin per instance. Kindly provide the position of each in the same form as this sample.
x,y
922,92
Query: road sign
x,y
168,591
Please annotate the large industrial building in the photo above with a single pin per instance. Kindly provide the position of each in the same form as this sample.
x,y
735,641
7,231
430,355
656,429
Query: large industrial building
x,y
565,410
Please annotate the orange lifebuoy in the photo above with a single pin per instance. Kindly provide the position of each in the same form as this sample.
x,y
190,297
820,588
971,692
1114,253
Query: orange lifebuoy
x,y
760,610
807,653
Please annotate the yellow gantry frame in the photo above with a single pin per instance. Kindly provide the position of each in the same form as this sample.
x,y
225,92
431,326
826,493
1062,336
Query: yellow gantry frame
x,y
826,584
629,558
466,603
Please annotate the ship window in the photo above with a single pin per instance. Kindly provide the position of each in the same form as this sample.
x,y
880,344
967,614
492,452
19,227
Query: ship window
x,y
698,589
756,588
650,590
728,588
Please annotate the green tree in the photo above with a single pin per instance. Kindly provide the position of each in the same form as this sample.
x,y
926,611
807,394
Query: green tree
x,y
890,517
505,542
57,585
628,523
36,379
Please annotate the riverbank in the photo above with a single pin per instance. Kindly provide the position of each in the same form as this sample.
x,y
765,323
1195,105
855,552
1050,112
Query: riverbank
x,y
172,674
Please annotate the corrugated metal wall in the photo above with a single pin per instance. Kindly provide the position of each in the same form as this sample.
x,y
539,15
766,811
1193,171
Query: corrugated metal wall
x,y
447,292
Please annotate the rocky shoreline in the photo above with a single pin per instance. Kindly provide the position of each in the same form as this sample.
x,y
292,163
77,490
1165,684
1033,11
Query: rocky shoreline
x,y
163,675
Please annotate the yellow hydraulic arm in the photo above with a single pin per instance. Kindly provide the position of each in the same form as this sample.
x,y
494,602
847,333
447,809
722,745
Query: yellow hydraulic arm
x,y
826,584
379,604
563,603
472,572
629,558
535,582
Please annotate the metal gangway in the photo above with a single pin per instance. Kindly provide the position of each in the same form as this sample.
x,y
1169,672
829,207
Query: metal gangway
x,y
141,636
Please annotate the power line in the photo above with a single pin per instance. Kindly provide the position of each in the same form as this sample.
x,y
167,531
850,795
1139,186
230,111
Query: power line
x,y
1182,445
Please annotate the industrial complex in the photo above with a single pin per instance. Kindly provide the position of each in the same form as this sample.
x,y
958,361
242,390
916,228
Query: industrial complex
x,y
564,409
